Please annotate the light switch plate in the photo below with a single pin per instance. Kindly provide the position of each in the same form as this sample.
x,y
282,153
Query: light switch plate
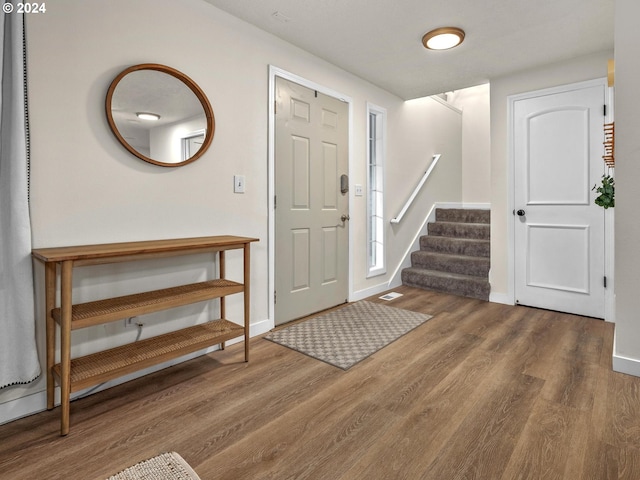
x,y
358,190
238,184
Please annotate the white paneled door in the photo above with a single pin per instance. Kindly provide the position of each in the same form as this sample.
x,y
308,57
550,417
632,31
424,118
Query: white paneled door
x,y
559,231
312,201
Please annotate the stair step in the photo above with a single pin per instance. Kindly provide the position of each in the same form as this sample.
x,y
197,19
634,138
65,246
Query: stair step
x,y
454,256
455,246
443,262
455,284
465,215
479,231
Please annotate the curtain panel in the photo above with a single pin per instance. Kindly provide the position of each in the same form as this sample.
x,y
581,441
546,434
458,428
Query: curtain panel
x,y
18,352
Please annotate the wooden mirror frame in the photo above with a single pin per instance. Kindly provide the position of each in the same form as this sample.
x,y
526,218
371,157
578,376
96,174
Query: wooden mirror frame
x,y
193,86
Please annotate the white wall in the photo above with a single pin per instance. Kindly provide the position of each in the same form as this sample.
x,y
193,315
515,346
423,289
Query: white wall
x,y
627,175
86,188
570,71
474,102
416,131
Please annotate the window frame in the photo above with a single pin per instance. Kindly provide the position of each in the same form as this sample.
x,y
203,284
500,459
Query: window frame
x,y
376,260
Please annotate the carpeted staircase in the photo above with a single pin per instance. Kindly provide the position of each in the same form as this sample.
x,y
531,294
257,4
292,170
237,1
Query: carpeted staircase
x,y
454,256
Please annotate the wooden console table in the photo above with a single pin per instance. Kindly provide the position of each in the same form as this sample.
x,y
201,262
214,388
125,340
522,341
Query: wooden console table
x,y
82,372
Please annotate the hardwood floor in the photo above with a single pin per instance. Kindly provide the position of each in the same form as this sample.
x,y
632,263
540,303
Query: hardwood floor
x,y
480,391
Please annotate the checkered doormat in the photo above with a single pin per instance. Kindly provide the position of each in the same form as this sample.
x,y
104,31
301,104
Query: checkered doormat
x,y
345,336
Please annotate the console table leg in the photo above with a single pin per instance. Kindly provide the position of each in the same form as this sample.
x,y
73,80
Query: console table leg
x,y
247,296
65,344
50,273
222,274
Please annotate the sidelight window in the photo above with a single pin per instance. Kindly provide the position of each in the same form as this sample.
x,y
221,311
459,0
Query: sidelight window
x,y
375,190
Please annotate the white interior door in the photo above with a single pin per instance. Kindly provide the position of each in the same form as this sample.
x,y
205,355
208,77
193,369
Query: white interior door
x,y
311,214
559,231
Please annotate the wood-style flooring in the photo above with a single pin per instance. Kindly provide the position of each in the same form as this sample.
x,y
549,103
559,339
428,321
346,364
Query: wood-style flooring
x,y
480,391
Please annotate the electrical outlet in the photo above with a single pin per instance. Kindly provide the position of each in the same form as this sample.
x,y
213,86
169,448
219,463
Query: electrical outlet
x,y
238,184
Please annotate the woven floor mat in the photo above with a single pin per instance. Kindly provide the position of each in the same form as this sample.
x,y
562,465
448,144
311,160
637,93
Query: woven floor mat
x,y
167,466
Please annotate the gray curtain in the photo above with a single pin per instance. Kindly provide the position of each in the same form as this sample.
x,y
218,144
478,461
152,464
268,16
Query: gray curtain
x,y
18,354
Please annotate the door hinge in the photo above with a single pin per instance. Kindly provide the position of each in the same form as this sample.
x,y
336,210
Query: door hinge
x,y
275,106
275,201
604,110
274,297
605,282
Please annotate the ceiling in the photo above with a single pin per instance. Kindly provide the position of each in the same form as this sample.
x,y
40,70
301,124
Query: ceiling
x,y
380,40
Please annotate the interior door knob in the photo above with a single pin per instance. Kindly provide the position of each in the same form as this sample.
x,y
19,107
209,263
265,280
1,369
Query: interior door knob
x,y
344,218
520,213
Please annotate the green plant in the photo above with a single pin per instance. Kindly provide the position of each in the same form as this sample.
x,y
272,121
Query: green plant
x,y
607,191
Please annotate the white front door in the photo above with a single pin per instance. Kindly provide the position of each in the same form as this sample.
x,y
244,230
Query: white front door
x,y
312,206
559,231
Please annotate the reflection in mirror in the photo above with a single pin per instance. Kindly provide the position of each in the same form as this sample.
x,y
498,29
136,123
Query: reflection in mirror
x,y
160,115
191,144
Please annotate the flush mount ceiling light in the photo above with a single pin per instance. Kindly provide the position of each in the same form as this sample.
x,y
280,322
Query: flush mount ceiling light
x,y
147,116
443,38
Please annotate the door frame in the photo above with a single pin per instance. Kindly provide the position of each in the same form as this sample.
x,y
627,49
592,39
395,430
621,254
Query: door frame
x,y
278,72
609,292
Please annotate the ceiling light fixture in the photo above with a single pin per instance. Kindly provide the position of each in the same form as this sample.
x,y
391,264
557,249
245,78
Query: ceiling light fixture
x,y
443,38
148,116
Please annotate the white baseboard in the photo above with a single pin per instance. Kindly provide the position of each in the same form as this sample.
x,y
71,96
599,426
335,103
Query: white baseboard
x,y
626,365
393,283
500,298
259,328
37,402
405,261
463,205
375,290
481,206
368,292
23,407
630,366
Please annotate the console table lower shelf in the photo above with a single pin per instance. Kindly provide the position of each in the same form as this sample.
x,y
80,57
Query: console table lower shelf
x,y
113,363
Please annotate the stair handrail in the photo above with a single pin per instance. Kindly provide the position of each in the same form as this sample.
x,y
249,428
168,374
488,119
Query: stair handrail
x,y
398,217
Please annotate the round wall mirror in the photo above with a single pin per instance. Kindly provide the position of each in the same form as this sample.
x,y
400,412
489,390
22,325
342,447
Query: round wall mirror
x,y
160,115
